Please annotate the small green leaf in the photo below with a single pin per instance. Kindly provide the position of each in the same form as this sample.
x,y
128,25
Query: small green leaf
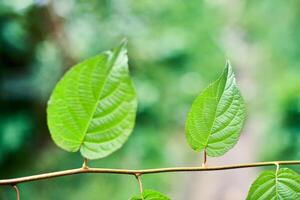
x,y
285,184
93,107
151,195
216,117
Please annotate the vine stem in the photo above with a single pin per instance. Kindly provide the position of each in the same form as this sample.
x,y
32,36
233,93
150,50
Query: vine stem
x,y
82,170
17,191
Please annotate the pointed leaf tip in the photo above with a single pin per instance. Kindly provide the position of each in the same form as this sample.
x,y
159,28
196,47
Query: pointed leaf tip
x,y
123,45
228,63
124,41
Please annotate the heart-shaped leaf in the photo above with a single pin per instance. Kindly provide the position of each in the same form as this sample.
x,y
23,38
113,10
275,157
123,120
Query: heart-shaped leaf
x,y
93,107
151,195
283,184
217,115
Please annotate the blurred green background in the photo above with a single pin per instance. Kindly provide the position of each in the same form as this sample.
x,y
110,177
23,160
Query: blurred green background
x,y
176,48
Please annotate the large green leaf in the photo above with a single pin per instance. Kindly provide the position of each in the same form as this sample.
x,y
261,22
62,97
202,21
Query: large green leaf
x,y
151,195
93,107
216,116
272,185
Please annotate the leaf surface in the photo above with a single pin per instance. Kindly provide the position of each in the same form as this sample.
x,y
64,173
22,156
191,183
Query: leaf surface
x,y
93,107
283,185
216,117
151,195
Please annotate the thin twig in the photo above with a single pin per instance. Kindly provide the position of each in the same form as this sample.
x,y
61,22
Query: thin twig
x,y
17,192
15,181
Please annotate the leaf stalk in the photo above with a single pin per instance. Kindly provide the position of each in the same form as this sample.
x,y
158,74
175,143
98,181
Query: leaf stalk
x,y
17,191
85,163
204,158
138,178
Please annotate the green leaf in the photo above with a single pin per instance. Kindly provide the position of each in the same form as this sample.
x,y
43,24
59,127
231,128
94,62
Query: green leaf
x,y
151,195
93,107
217,116
285,184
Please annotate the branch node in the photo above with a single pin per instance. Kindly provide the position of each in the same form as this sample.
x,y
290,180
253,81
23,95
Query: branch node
x,y
137,175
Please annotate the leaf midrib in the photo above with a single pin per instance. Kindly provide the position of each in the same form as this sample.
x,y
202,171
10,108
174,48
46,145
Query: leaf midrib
x,y
276,183
215,113
111,61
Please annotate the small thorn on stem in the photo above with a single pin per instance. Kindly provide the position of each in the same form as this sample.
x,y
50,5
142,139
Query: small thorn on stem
x,y
85,164
204,159
17,191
